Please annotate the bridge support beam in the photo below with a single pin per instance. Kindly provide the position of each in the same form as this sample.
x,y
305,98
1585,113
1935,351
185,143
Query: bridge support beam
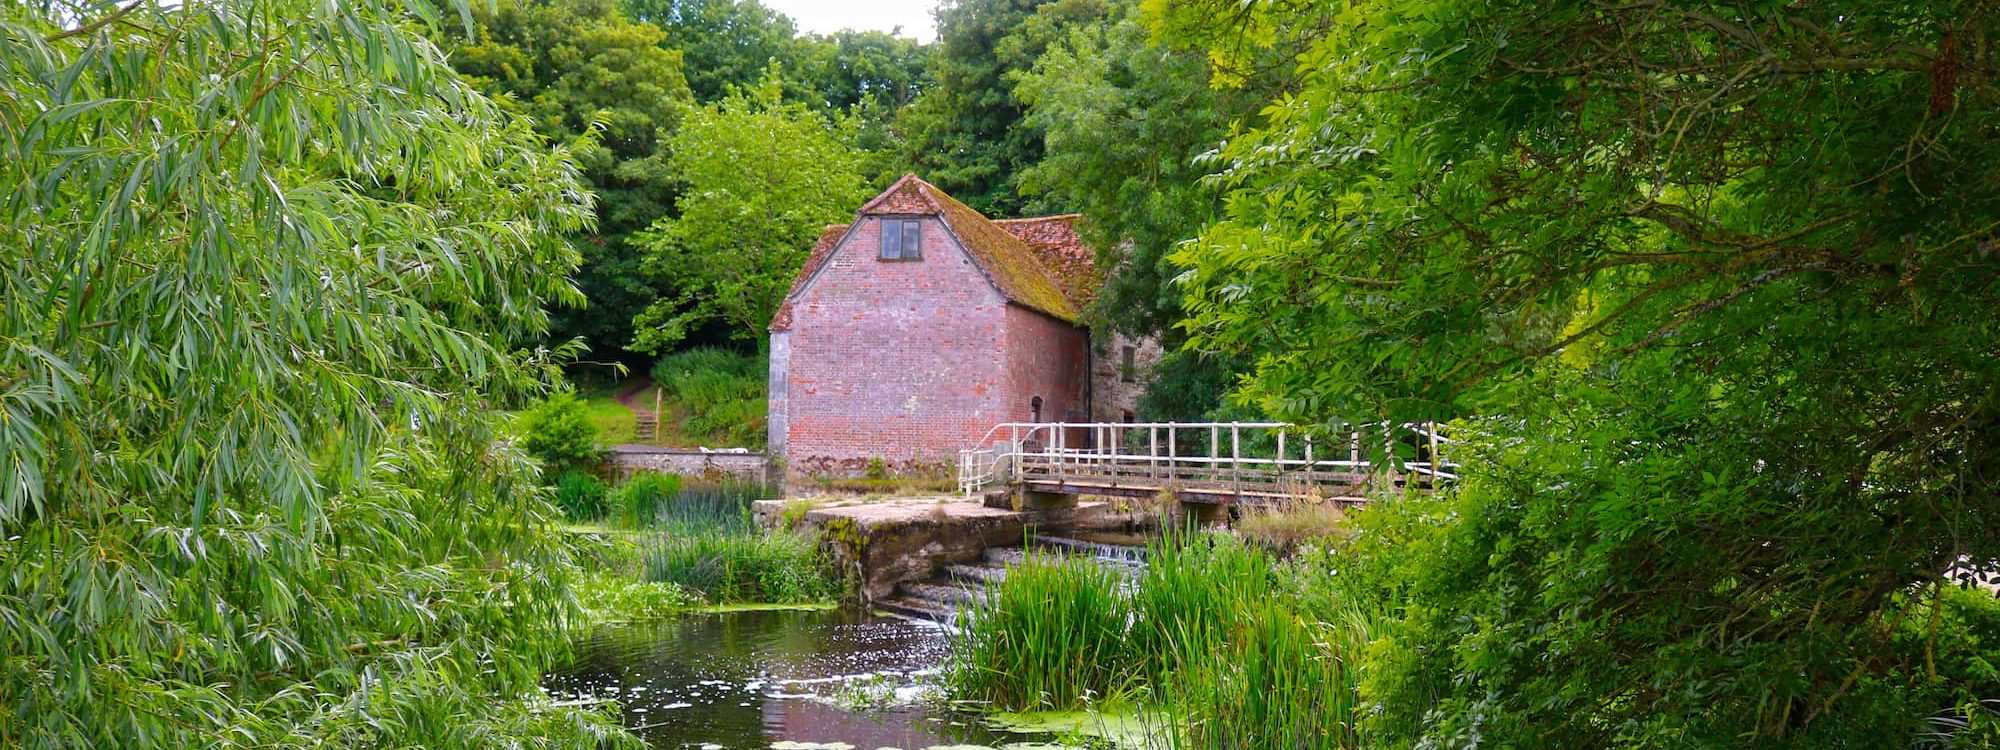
x,y
1018,498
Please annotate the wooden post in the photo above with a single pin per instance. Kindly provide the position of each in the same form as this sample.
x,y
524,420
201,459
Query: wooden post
x,y
1310,468
1354,448
1236,456
1173,455
1152,451
657,422
1435,463
1281,450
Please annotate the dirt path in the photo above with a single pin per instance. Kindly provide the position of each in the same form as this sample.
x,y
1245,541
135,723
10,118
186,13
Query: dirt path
x,y
628,394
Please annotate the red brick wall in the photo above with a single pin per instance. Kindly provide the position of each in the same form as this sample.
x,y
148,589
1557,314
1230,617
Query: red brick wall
x,y
1045,357
901,360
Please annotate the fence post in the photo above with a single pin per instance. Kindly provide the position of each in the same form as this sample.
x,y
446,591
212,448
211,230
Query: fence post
x,y
1236,456
1310,466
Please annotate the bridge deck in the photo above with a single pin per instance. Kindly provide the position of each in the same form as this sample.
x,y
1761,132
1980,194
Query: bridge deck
x,y
1258,466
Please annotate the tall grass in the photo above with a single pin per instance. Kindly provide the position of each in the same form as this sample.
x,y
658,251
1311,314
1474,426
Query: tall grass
x,y
1217,636
724,567
1050,636
1283,681
705,541
1194,594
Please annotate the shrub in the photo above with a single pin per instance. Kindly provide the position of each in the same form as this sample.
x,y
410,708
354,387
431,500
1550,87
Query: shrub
x,y
558,431
1048,636
719,393
580,495
643,496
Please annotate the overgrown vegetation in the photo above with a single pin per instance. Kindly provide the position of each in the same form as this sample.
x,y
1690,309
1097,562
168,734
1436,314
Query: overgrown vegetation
x,y
717,395
1050,637
705,541
269,265
1206,639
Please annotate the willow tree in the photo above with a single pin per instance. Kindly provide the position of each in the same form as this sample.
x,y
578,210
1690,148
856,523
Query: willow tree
x,y
264,262
1719,283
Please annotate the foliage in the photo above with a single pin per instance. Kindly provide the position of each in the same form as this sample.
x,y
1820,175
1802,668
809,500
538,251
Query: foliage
x,y
612,586
1195,592
1277,683
645,496
1050,636
1670,264
575,65
763,179
728,44
967,134
780,567
1123,123
719,395
580,495
559,432
265,263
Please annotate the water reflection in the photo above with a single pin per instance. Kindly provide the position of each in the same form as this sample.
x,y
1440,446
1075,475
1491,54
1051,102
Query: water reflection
x,y
749,679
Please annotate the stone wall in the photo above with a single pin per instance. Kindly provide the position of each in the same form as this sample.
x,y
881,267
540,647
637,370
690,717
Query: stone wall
x,y
1112,394
631,459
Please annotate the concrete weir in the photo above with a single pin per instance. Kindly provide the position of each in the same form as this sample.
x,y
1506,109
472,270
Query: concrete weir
x,y
906,540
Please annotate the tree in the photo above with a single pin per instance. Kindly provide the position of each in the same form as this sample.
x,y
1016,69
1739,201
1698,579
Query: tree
x,y
1715,281
265,262
573,65
762,178
966,135
727,43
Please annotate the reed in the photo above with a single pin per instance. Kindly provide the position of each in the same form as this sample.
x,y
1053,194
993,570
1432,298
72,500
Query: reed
x,y
1048,637
729,567
1285,682
1194,594
705,541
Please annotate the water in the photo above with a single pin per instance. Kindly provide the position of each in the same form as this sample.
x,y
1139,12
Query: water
x,y
753,679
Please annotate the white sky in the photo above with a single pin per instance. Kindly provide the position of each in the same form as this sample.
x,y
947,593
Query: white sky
x,y
828,16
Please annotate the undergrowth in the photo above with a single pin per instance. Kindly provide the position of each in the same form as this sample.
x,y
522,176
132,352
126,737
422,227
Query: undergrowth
x,y
718,395
1050,637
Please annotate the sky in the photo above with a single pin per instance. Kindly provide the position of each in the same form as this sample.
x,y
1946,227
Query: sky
x,y
828,16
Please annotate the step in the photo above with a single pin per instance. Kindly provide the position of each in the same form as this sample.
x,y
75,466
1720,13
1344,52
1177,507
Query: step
x,y
1114,553
917,609
977,573
1005,556
942,592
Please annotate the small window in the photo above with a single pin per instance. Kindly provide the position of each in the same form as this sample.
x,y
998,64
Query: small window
x,y
1128,417
1035,409
1128,367
902,239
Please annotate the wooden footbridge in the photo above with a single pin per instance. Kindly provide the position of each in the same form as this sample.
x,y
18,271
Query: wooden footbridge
x,y
1248,463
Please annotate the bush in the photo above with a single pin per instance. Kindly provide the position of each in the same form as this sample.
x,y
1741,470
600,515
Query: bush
x,y
639,502
559,432
1048,636
580,495
719,393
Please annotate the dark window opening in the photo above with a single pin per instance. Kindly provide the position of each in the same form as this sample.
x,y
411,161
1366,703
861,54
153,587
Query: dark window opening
x,y
1128,368
1035,409
902,239
1128,417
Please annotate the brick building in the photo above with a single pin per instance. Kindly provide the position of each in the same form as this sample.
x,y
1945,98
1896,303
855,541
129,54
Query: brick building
x,y
913,330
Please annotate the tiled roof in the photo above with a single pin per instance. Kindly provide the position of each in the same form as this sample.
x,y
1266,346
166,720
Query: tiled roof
x,y
1038,263
1062,252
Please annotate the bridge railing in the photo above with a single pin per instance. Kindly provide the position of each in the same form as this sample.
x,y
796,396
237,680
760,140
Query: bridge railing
x,y
1267,457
